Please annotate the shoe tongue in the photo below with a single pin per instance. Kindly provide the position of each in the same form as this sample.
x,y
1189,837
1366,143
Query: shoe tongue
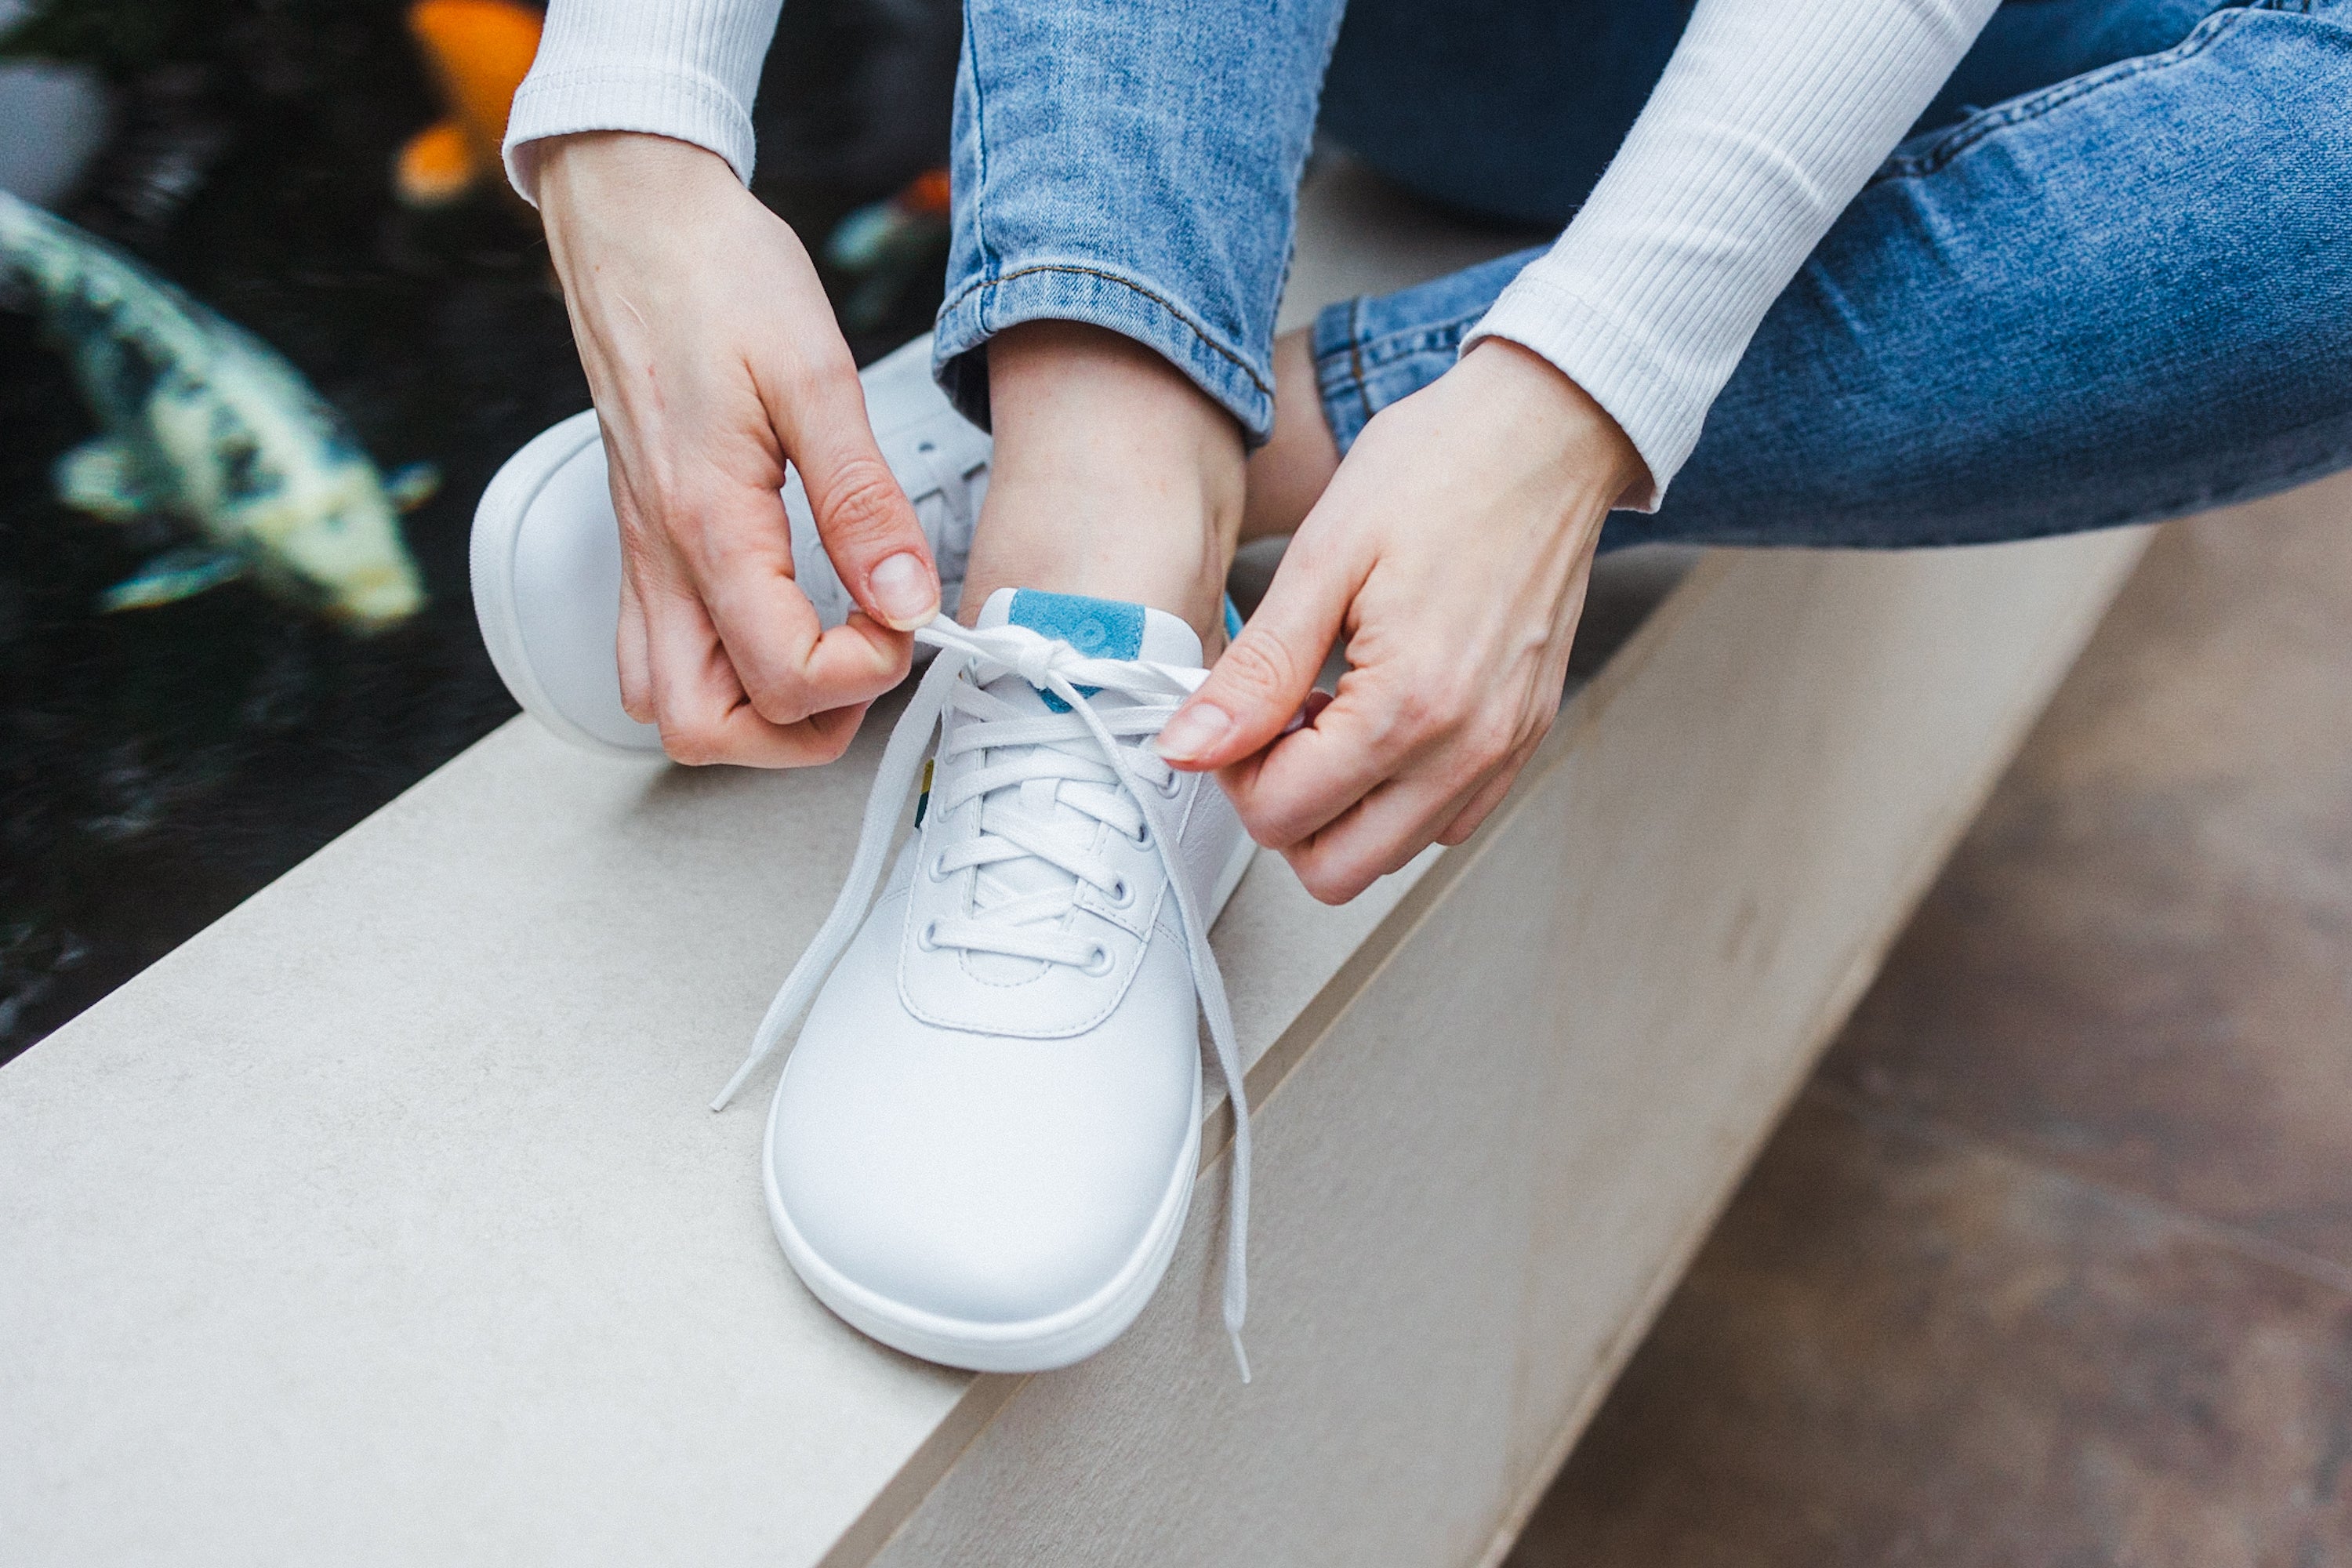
x,y
1099,628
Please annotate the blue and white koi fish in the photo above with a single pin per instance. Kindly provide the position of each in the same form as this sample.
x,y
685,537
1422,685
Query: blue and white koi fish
x,y
204,423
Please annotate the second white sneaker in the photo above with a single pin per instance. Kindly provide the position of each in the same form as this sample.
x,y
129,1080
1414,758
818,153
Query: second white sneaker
x,y
983,1144
546,554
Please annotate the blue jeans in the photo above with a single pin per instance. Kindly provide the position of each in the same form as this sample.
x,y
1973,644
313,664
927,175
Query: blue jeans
x,y
2107,278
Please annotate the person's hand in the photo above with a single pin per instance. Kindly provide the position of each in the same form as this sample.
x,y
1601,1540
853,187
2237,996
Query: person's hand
x,y
1452,548
713,357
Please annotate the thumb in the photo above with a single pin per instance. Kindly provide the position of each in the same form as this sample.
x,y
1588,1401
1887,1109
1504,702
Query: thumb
x,y
1266,674
869,528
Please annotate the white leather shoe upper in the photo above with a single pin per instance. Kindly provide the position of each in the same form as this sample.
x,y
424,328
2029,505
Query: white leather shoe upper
x,y
980,1176
985,1136
938,457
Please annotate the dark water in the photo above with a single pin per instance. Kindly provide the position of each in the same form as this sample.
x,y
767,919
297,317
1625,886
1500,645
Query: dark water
x,y
158,766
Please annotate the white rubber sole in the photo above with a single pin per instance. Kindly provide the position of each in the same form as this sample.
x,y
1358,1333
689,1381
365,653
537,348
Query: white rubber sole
x,y
1037,1344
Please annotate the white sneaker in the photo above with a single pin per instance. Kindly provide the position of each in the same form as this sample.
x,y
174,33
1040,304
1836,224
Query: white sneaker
x,y
984,1145
547,550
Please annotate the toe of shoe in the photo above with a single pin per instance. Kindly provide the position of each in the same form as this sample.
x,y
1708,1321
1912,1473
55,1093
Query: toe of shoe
x,y
975,1179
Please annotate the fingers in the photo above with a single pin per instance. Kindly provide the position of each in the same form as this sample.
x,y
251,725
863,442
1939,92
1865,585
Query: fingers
x,y
713,558
1376,835
1467,514
1306,779
1489,795
869,528
1265,673
704,715
1382,832
1378,777
637,671
783,660
714,360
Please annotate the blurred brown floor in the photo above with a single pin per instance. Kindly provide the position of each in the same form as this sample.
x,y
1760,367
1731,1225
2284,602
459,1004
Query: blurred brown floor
x,y
2051,1264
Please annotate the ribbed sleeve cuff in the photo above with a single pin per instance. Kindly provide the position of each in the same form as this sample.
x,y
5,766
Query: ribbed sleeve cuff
x,y
661,102
1769,120
1614,362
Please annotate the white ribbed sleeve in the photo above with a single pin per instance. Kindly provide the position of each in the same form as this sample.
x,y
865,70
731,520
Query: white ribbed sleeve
x,y
683,69
1769,120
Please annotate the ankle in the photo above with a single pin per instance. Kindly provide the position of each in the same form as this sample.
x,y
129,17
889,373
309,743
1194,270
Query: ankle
x,y
1287,475
1113,476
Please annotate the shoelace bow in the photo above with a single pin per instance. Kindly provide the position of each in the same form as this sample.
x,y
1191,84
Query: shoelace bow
x,y
1048,666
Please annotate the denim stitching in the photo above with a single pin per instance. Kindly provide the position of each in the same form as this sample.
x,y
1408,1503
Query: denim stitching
x,y
1970,132
1338,380
1378,353
1282,282
988,258
1168,305
1357,372
1367,355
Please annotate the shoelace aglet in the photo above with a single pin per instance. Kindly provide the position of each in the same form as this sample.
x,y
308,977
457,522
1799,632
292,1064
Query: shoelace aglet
x,y
751,1065
1241,1356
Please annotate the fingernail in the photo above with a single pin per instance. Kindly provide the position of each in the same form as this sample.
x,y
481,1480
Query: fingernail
x,y
1193,731
1315,702
905,591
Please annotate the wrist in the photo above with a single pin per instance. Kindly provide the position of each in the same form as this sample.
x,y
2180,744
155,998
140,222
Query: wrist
x,y
1563,420
592,174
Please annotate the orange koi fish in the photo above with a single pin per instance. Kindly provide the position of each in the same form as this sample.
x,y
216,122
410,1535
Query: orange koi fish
x,y
478,51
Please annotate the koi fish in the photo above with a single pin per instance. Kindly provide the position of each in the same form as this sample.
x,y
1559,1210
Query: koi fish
x,y
478,52
206,424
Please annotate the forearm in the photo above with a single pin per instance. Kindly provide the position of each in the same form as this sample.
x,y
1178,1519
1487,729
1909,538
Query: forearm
x,y
683,69
1770,119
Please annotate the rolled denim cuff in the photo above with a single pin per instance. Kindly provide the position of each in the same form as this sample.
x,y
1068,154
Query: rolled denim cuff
x,y
1100,296
1357,374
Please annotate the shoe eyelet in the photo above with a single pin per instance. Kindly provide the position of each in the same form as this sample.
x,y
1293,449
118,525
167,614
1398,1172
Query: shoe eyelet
x,y
927,447
927,938
1098,962
939,871
1120,893
1143,837
1175,783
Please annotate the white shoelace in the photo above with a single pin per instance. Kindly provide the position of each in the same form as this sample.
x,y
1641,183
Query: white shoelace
x,y
1125,781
